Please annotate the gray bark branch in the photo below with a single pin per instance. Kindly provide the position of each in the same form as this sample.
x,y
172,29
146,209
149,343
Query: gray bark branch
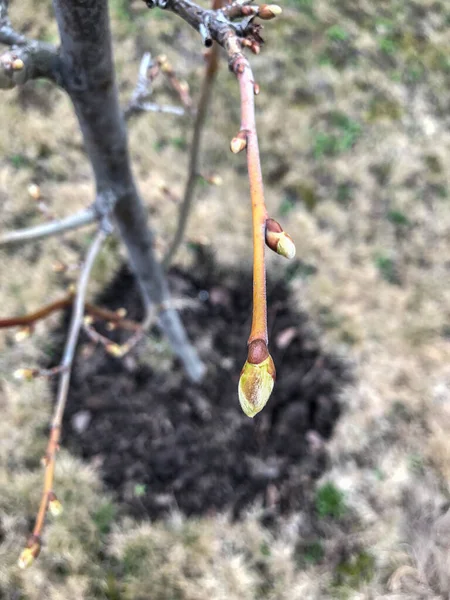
x,y
88,77
84,217
26,59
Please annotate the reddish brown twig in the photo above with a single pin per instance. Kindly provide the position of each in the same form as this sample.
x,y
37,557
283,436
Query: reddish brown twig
x,y
48,499
66,302
181,87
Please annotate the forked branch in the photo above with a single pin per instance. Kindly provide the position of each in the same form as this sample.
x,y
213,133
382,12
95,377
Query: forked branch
x,y
48,499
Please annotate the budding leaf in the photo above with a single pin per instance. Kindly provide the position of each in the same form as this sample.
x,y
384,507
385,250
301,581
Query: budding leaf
x,y
255,385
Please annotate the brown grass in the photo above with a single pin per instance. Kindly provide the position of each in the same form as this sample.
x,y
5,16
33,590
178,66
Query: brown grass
x,y
374,220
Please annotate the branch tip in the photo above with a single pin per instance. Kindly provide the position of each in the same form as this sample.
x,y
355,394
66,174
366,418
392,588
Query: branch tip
x,y
256,384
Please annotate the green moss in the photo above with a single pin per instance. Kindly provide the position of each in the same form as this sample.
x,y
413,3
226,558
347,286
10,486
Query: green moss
x,y
330,501
398,218
104,517
383,107
387,268
19,161
344,193
355,571
336,33
314,552
341,135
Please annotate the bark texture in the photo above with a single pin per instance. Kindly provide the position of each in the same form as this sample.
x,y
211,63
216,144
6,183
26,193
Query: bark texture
x,y
88,76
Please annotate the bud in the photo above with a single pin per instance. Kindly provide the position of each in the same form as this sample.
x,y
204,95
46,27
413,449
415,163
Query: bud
x,y
121,312
269,11
29,553
34,191
278,240
54,505
24,374
22,334
256,89
115,350
257,379
17,64
161,59
239,142
215,180
255,48
88,320
59,267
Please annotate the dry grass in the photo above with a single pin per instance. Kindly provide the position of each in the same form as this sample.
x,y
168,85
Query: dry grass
x,y
373,219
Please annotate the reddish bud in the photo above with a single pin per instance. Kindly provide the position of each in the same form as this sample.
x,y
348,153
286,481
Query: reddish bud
x,y
269,11
278,240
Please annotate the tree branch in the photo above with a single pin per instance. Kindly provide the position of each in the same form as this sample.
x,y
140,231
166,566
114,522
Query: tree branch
x,y
80,219
30,61
8,35
26,59
85,33
49,499
193,172
139,100
96,311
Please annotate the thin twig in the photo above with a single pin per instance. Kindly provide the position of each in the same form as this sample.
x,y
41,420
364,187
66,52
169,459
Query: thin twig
x,y
148,71
48,309
80,219
259,211
202,111
34,543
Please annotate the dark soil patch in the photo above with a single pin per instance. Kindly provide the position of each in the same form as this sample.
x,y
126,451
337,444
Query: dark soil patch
x,y
164,443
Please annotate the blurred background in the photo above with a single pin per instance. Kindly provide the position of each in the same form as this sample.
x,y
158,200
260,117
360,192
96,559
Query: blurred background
x,y
340,488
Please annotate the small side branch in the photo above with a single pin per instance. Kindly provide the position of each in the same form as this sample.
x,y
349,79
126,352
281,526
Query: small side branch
x,y
139,102
31,61
84,217
8,35
110,316
202,111
49,500
26,59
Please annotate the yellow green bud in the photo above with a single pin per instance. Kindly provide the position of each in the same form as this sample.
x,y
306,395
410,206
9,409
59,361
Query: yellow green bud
x,y
24,374
54,505
269,11
256,384
278,240
29,553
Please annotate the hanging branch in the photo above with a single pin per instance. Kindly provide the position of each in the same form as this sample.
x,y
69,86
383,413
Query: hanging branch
x,y
49,500
258,374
